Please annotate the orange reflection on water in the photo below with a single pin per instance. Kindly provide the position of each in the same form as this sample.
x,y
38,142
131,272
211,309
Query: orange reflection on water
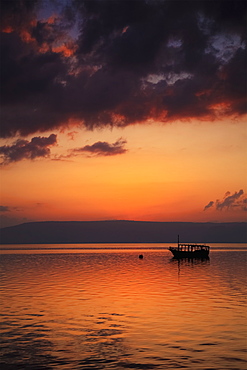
x,y
115,304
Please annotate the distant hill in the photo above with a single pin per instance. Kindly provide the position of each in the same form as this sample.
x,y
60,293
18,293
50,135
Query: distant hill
x,y
59,232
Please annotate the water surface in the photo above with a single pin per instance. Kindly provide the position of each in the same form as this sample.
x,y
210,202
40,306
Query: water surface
x,y
104,308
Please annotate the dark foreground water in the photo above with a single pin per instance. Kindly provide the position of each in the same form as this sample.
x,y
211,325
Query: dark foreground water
x,y
107,309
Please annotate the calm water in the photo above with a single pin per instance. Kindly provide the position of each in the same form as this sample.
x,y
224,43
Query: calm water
x,y
107,309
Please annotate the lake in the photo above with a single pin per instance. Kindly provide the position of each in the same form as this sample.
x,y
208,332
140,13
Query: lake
x,y
101,307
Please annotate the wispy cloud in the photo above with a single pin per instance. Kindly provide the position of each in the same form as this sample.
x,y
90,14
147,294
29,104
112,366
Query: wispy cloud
x,y
6,221
235,201
230,200
8,216
101,148
71,135
24,149
209,205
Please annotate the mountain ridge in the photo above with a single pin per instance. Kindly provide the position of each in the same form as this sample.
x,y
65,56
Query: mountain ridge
x,y
123,231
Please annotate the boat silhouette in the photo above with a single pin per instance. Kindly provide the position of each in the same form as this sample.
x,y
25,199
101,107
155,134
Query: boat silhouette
x,y
190,250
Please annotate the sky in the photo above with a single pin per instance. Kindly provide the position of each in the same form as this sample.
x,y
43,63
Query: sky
x,y
123,110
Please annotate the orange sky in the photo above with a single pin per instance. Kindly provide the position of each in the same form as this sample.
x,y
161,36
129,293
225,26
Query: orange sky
x,y
168,173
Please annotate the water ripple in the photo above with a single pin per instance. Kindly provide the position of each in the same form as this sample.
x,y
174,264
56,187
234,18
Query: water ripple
x,y
111,310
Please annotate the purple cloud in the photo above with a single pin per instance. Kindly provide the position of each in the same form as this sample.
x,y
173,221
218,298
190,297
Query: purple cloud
x,y
24,149
234,201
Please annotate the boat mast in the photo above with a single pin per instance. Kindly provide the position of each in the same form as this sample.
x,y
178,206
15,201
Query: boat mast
x,y
178,241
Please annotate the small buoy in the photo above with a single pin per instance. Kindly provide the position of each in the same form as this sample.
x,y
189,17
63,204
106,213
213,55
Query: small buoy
x,y
141,256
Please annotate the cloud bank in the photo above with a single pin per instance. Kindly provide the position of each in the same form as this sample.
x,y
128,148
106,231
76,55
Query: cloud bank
x,y
115,63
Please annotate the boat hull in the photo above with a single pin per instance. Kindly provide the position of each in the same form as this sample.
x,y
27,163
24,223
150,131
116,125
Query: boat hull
x,y
202,254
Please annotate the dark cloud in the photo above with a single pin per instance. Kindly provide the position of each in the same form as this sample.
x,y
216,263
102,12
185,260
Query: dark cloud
x,y
4,209
234,201
125,62
23,149
102,148
17,14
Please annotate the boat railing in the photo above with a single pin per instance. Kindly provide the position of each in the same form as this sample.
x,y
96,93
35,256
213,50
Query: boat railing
x,y
192,247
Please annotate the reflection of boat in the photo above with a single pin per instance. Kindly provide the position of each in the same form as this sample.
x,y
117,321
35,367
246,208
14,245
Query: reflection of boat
x,y
190,250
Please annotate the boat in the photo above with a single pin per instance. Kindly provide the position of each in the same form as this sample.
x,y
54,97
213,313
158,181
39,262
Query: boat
x,y
190,251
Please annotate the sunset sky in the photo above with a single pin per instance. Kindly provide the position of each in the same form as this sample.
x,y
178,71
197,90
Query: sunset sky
x,y
123,110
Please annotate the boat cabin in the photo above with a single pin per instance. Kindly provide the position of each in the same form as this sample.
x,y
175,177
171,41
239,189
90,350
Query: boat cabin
x,y
192,247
